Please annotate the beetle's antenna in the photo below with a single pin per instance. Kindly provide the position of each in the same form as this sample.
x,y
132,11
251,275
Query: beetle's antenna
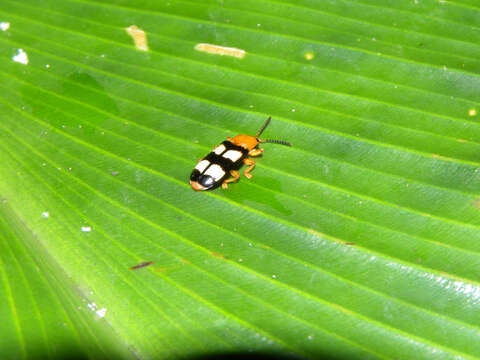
x,y
275,141
264,126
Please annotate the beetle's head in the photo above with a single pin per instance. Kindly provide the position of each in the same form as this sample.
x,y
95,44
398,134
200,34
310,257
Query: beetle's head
x,y
246,141
250,142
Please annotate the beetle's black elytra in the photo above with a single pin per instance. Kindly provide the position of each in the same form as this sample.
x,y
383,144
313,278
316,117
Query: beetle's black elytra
x,y
214,168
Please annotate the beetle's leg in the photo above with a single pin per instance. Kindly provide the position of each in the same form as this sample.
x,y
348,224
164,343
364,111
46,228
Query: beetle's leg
x,y
235,175
251,164
255,152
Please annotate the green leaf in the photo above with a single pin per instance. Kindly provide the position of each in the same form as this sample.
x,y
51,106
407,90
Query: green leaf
x,y
360,241
43,313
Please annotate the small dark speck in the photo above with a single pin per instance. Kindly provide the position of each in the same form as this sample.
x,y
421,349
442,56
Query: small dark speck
x,y
349,243
180,218
141,265
115,173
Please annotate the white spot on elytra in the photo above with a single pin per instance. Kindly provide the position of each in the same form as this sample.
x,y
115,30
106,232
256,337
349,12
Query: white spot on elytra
x,y
233,155
86,228
45,214
202,165
219,149
21,57
101,313
4,26
215,171
220,50
139,37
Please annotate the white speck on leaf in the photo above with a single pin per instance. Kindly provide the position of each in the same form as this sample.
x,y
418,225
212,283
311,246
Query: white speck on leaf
x,y
101,313
86,228
4,26
45,214
21,57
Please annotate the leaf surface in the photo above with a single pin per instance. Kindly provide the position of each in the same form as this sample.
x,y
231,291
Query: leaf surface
x,y
359,241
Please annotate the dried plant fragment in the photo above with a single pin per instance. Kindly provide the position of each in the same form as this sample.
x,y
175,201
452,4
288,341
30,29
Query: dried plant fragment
x,y
220,50
139,37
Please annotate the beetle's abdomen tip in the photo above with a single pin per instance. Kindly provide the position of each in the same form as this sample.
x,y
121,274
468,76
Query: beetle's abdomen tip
x,y
196,186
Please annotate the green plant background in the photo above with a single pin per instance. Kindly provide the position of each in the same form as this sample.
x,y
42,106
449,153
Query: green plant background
x,y
360,241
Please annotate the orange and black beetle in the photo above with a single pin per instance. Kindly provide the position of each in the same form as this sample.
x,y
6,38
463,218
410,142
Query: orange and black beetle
x,y
222,164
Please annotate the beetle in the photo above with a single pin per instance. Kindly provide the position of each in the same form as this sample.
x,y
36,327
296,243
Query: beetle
x,y
221,166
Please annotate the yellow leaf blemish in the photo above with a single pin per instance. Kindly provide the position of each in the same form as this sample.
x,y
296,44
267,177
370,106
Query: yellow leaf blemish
x,y
220,50
139,37
309,56
472,112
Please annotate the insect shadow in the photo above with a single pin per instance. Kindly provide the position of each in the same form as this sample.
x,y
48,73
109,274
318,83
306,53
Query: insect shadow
x,y
256,194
